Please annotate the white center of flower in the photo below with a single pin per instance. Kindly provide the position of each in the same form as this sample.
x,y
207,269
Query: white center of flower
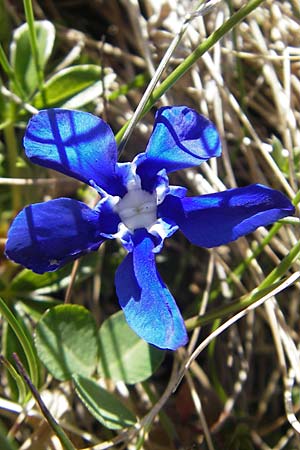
x,y
138,208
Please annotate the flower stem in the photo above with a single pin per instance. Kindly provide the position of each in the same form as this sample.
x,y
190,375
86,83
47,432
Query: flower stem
x,y
18,379
4,63
272,281
202,9
65,441
180,70
33,43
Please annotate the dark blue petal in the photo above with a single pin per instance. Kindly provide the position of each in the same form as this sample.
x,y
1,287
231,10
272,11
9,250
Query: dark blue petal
x,y
108,220
45,236
75,143
149,307
216,219
125,174
181,138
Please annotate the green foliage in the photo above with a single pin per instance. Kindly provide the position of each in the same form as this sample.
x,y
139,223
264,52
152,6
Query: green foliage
x,y
21,57
6,443
66,341
240,438
139,81
27,284
2,119
123,355
10,345
104,406
5,23
72,87
67,344
27,281
69,87
23,335
283,158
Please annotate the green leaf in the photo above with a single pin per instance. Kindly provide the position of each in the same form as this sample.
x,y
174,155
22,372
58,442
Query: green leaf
x,y
35,307
10,345
24,337
21,54
27,281
66,341
6,119
123,355
138,82
103,405
73,87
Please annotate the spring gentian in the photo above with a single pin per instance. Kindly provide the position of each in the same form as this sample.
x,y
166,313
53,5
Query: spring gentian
x,y
137,206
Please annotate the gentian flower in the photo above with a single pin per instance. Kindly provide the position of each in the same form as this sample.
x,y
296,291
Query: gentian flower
x,y
137,206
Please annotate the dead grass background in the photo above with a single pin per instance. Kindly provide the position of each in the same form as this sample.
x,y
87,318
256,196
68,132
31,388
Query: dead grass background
x,y
249,84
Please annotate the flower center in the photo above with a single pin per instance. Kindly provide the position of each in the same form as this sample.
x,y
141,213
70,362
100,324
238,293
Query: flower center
x,y
138,208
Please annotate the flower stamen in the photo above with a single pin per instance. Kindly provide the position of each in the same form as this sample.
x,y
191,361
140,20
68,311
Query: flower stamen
x,y
137,209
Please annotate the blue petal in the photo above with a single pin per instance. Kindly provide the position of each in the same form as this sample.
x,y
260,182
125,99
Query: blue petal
x,y
216,219
149,307
45,236
125,172
108,220
126,237
75,143
181,138
161,230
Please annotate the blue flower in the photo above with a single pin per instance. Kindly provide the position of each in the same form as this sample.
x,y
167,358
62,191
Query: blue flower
x,y
137,206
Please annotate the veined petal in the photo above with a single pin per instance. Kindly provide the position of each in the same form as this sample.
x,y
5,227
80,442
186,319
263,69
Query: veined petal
x,y
216,219
45,236
149,307
181,138
75,143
